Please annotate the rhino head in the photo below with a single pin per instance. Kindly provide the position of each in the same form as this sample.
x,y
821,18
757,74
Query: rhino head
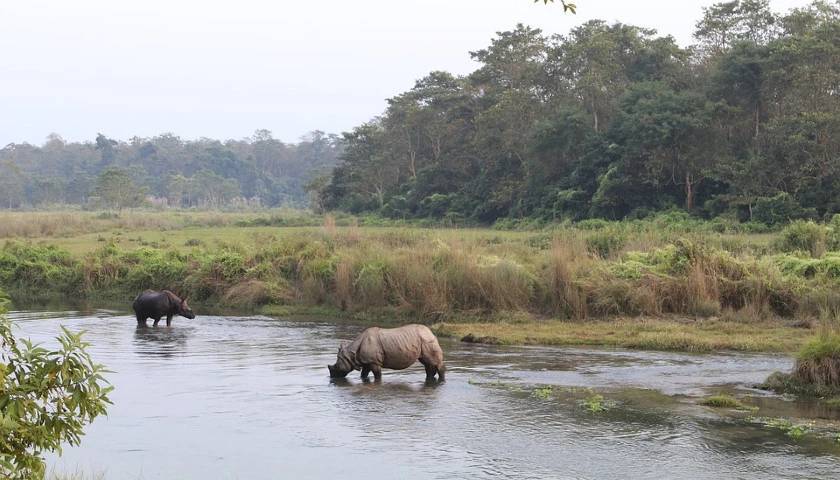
x,y
344,364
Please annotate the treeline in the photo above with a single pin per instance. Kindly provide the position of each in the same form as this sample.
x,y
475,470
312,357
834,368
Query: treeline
x,y
615,121
165,170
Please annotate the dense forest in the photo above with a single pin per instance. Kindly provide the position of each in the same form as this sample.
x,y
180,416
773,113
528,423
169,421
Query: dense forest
x,y
165,170
615,121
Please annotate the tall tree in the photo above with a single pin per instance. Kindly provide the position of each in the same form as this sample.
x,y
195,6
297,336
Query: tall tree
x,y
116,189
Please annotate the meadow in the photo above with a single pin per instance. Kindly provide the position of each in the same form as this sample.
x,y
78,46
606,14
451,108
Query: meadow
x,y
670,282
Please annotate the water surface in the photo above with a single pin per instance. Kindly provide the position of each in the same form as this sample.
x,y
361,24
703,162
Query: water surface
x,y
250,398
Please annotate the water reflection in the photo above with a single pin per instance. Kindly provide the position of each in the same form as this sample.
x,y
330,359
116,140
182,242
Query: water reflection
x,y
160,341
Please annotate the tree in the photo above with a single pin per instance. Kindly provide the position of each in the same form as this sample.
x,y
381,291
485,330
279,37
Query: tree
x,y
669,135
725,24
116,189
46,399
11,183
106,149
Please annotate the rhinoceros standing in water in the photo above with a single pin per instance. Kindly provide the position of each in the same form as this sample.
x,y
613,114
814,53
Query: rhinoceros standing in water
x,y
156,305
395,348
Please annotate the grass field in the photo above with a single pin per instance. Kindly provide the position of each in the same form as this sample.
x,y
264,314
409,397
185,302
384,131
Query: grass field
x,y
669,283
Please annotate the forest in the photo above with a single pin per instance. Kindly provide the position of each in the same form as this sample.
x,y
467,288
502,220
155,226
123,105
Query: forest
x,y
615,121
165,170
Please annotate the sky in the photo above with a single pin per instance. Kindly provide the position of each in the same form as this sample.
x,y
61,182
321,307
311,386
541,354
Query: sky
x,y
223,69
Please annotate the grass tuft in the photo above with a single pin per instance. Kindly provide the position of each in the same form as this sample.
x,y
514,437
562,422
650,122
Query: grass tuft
x,y
723,401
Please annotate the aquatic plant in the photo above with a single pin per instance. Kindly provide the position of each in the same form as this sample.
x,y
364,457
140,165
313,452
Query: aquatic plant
x,y
792,430
595,403
722,401
543,393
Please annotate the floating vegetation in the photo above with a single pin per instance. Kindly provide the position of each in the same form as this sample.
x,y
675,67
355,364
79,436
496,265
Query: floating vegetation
x,y
594,404
793,430
543,393
723,401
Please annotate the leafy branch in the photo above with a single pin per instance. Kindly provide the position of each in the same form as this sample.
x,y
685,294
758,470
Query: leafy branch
x,y
567,6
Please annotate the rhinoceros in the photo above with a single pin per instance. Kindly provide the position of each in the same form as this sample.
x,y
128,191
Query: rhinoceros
x,y
395,348
156,305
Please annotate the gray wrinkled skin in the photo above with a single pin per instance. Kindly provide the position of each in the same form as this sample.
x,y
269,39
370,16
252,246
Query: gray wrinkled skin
x,y
395,348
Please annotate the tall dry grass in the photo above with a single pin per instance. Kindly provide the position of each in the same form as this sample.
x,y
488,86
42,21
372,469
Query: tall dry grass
x,y
432,273
70,223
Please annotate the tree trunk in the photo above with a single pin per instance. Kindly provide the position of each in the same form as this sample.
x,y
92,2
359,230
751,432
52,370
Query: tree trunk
x,y
594,113
689,192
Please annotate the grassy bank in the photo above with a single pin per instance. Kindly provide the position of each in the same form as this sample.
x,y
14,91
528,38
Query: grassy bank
x,y
698,286
642,333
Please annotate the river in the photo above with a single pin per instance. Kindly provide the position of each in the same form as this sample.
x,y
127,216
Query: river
x,y
250,398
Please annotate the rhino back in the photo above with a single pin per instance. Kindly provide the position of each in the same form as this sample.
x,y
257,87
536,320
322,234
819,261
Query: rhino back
x,y
403,346
152,303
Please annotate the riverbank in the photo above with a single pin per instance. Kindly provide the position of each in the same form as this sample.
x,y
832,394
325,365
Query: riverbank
x,y
673,284
674,334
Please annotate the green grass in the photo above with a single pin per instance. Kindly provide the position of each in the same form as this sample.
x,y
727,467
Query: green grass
x,y
723,401
641,333
595,403
543,393
660,284
820,347
795,431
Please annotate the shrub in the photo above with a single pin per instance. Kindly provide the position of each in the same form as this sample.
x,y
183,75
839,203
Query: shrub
x,y
833,234
803,236
818,363
46,398
605,243
779,209
592,224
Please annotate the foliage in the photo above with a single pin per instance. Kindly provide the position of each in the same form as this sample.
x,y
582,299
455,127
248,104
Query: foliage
x,y
46,398
543,393
116,189
616,122
253,172
722,401
808,237
595,403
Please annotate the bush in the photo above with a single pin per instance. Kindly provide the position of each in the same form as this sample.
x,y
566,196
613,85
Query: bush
x,y
779,209
46,398
606,242
804,237
833,234
818,363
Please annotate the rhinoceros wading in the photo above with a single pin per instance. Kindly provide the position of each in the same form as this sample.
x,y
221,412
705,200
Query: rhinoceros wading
x,y
156,305
395,348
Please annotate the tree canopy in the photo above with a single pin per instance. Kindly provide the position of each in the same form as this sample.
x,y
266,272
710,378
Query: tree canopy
x,y
259,170
615,121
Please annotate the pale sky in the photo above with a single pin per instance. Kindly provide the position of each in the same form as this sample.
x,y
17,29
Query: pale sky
x,y
222,69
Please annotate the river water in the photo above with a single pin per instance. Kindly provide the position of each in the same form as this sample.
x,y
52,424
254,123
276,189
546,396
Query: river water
x,y
250,398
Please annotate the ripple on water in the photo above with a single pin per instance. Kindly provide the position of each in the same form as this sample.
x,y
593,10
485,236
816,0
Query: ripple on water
x,y
248,397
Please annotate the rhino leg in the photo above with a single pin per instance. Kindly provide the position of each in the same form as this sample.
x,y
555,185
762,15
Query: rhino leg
x,y
432,359
430,369
365,372
141,321
168,320
377,372
156,321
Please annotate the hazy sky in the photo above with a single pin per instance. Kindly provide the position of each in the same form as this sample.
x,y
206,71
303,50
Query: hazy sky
x,y
223,69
